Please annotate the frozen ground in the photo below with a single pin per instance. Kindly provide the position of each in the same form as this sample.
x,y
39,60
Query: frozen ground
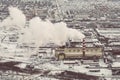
x,y
54,67
50,68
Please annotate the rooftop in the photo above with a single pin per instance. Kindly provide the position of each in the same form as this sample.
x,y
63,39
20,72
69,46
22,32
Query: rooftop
x,y
109,32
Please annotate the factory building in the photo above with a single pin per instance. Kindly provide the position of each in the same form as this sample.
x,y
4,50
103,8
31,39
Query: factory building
x,y
81,49
77,52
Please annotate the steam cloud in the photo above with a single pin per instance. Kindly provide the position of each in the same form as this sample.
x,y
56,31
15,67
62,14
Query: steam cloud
x,y
46,32
40,32
16,18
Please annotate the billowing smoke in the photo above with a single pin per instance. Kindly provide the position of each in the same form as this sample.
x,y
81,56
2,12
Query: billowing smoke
x,y
39,31
16,18
43,32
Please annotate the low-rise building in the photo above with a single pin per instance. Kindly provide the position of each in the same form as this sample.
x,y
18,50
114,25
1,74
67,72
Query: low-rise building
x,y
91,50
109,32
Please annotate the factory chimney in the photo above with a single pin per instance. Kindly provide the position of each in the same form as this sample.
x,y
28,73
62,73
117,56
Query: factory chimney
x,y
83,47
68,43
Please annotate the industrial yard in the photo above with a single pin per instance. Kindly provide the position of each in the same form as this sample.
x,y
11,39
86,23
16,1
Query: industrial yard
x,y
59,40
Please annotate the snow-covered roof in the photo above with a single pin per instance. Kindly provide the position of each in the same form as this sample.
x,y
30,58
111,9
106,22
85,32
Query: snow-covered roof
x,y
109,32
115,43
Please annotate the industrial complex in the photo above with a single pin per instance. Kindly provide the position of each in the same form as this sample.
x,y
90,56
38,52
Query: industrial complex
x,y
59,40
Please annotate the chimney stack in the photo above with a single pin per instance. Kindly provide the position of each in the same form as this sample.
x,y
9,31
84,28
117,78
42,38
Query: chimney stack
x,y
83,47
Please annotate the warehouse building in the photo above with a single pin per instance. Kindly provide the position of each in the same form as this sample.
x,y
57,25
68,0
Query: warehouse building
x,y
79,49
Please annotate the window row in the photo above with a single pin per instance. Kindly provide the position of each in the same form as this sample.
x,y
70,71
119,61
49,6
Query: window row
x,y
80,50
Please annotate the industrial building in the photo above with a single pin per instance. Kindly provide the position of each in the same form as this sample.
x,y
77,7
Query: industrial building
x,y
109,32
77,49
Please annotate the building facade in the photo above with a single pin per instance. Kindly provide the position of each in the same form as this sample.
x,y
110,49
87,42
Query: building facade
x,y
77,52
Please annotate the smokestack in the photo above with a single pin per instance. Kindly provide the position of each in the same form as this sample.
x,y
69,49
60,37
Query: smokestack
x,y
83,47
68,43
35,12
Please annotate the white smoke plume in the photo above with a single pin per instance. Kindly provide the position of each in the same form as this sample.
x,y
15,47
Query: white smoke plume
x,y
16,18
43,32
39,31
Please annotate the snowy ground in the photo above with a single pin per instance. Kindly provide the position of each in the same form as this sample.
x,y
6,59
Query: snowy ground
x,y
55,67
